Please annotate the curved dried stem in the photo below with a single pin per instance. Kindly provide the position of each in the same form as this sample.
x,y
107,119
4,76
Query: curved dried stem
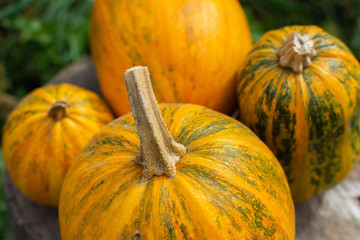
x,y
159,153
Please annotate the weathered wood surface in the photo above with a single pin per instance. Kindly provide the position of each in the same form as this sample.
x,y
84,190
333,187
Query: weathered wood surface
x,y
38,221
335,215
81,74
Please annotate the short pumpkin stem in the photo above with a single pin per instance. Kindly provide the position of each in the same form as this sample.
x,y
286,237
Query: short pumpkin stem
x,y
159,152
58,110
297,52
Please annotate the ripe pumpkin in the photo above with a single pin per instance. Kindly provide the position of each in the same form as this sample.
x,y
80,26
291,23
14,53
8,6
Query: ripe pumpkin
x,y
45,132
192,48
300,92
217,181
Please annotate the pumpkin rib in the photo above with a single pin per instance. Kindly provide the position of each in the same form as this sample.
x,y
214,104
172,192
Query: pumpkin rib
x,y
201,140
58,149
28,149
124,138
125,211
196,213
329,84
84,123
260,193
274,95
108,204
68,136
200,186
252,86
100,180
187,215
336,75
46,97
301,132
234,169
87,114
15,129
334,54
127,167
24,182
339,99
190,213
203,189
311,170
30,108
266,86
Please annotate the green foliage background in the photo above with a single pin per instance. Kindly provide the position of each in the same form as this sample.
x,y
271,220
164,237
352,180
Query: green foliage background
x,y
39,37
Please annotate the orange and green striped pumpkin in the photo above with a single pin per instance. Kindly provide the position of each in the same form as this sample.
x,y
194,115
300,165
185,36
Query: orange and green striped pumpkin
x,y
305,107
44,134
228,185
192,49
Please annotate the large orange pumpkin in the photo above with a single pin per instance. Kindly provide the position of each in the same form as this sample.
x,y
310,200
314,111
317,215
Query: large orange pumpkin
x,y
300,92
45,132
192,49
217,181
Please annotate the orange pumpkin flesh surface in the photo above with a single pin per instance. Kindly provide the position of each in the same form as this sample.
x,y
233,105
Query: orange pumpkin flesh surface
x,y
299,91
225,184
192,49
45,132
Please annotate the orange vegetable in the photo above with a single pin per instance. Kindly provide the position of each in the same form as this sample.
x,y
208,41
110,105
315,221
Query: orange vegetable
x,y
192,49
44,134
299,91
181,172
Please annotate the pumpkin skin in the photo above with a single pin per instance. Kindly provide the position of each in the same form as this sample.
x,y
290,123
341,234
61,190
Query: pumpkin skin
x,y
192,49
309,120
228,185
38,150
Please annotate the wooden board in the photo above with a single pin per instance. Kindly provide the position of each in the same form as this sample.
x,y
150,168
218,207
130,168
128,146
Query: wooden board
x,y
335,215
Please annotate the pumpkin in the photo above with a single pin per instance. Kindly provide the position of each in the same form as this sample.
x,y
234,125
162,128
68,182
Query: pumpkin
x,y
45,132
299,92
192,49
186,172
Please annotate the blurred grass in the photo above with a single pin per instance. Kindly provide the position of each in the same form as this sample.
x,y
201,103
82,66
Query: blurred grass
x,y
40,37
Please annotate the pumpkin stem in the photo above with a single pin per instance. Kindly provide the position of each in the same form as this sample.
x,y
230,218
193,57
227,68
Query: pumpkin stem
x,y
159,152
58,110
297,52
